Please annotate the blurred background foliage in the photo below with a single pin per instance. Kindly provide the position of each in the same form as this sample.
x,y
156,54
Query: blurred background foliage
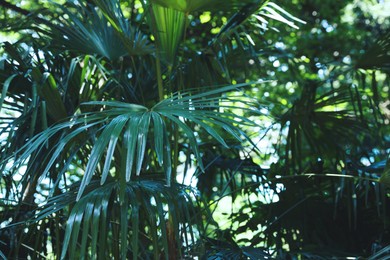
x,y
313,182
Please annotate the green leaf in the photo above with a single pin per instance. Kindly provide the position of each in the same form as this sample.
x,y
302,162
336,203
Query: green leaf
x,y
163,225
168,25
159,136
89,209
130,139
4,91
143,127
48,89
135,42
111,148
113,129
86,225
102,32
116,104
124,227
135,219
190,135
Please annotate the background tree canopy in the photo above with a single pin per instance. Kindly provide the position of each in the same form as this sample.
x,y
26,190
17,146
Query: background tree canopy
x,y
182,129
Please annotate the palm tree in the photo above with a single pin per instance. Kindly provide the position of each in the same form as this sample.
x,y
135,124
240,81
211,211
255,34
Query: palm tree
x,y
326,192
102,104
110,109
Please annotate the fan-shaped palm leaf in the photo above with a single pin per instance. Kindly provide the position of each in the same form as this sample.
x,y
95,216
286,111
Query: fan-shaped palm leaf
x,y
130,123
320,125
87,232
169,26
90,32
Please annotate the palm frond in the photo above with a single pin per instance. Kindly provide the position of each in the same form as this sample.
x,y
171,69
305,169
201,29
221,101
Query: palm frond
x,y
130,123
32,81
90,32
377,56
135,42
168,27
143,216
260,12
320,125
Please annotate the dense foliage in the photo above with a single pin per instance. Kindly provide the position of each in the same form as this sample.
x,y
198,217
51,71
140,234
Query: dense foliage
x,y
183,129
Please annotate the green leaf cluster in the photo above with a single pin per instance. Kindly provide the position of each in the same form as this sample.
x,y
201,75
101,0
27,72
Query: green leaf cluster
x,y
194,129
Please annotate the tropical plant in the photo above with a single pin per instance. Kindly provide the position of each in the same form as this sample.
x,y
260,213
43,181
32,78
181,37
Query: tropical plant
x,y
99,107
136,129
325,191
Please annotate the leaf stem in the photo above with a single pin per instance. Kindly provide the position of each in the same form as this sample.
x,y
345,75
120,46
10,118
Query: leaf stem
x,y
175,154
159,79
